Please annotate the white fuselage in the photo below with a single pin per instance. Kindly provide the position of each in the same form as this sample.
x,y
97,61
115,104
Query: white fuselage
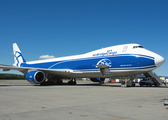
x,y
121,60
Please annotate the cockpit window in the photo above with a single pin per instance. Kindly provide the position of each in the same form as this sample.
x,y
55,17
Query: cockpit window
x,y
138,47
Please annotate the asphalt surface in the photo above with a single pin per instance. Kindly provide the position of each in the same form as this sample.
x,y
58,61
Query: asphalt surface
x,y
19,100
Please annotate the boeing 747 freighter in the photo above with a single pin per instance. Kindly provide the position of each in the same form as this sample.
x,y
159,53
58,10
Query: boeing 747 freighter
x,y
115,61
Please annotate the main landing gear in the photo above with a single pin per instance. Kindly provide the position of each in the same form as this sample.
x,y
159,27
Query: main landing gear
x,y
72,81
53,80
130,82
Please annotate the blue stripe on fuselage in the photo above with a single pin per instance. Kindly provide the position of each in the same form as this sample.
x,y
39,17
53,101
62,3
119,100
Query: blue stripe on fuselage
x,y
119,61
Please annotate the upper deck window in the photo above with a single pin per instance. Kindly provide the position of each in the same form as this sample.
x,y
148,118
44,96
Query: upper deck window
x,y
138,47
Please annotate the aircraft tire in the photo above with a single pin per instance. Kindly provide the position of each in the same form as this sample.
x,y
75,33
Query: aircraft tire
x,y
71,82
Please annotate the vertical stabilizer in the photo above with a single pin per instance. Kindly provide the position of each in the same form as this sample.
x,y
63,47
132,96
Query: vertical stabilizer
x,y
18,57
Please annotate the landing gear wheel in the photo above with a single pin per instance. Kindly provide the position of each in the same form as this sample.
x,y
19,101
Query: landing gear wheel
x,y
59,82
133,84
45,83
101,80
72,82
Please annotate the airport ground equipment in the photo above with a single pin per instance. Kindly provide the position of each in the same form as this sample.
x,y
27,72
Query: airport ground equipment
x,y
147,82
166,102
154,78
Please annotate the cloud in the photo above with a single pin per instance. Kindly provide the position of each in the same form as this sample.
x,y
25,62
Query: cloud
x,y
46,57
6,52
3,51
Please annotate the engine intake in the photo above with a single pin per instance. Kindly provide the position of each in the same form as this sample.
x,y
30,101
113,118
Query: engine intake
x,y
35,77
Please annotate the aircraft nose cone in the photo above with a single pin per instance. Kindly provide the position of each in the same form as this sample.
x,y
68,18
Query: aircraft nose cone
x,y
159,60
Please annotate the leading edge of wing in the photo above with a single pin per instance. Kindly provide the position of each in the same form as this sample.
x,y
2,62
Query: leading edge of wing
x,y
24,70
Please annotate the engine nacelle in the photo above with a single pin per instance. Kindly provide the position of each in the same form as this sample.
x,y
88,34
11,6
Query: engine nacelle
x,y
97,79
35,77
94,79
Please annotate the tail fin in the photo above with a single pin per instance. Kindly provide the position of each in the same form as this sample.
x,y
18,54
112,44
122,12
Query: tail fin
x,y
18,57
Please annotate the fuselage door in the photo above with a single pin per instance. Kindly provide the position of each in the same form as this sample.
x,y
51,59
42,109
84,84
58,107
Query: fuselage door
x,y
138,61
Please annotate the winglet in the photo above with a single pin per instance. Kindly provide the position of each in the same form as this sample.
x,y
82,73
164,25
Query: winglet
x,y
18,57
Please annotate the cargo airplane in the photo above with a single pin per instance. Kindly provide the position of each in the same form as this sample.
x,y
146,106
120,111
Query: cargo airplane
x,y
115,61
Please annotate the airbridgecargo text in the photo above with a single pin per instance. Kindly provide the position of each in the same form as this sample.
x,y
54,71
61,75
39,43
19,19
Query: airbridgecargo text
x,y
105,54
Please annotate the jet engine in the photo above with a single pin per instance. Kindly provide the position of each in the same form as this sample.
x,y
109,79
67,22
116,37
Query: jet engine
x,y
35,77
97,79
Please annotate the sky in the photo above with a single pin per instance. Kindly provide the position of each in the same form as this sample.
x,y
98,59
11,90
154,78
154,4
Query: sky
x,y
59,28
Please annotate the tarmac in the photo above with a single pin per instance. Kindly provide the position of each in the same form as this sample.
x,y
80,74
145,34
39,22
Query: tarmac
x,y
19,100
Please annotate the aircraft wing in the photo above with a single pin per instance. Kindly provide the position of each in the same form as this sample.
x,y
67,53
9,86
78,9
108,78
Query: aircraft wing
x,y
9,67
24,70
